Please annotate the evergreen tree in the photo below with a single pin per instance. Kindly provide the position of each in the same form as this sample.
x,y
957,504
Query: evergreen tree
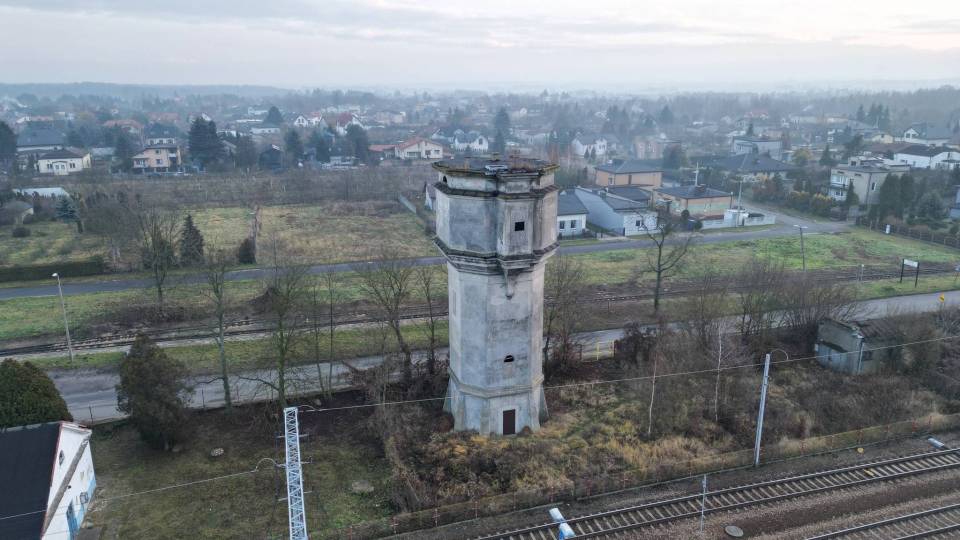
x,y
205,146
319,143
930,208
358,142
246,155
666,116
750,132
861,116
67,211
247,252
501,122
74,139
191,243
123,149
853,147
499,145
153,392
826,158
28,396
852,199
8,142
293,145
273,116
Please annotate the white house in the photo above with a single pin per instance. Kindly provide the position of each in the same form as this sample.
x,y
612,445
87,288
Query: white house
x,y
926,134
475,142
301,121
48,480
571,214
63,162
316,120
345,120
756,145
625,215
594,144
418,148
265,129
921,156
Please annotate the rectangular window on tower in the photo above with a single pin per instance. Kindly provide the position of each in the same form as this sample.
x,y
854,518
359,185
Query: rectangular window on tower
x,y
519,226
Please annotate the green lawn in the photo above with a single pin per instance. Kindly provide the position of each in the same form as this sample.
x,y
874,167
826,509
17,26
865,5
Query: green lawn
x,y
49,242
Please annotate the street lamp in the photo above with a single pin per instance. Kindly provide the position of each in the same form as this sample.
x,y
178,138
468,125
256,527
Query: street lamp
x,y
66,323
803,253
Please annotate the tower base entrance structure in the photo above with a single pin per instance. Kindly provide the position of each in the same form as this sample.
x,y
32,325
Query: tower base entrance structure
x,y
496,225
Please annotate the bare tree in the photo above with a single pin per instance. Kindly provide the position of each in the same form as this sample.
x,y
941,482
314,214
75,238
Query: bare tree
x,y
111,218
702,311
388,283
428,282
805,303
564,285
157,236
215,271
325,296
284,292
665,258
760,284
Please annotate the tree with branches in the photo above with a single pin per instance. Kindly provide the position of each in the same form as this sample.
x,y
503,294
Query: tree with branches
x,y
563,286
215,271
284,292
669,249
157,230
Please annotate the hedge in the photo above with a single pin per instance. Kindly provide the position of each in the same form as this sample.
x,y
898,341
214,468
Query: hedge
x,y
91,267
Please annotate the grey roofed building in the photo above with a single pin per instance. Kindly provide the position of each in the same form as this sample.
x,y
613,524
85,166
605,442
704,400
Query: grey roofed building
x,y
858,346
568,204
162,131
634,193
34,138
61,153
930,131
693,192
923,150
627,166
751,164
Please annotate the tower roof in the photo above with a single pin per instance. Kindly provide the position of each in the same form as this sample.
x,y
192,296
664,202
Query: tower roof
x,y
494,166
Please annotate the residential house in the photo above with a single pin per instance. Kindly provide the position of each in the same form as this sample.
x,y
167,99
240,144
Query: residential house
x,y
751,167
743,144
265,129
48,480
571,214
301,122
629,172
920,156
158,158
390,117
698,200
271,158
345,120
127,125
652,147
857,347
617,213
63,162
157,134
316,120
864,175
418,148
35,141
383,151
927,134
584,145
473,142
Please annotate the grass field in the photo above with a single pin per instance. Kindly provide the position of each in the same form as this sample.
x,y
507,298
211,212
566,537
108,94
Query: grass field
x,y
245,506
331,232
33,317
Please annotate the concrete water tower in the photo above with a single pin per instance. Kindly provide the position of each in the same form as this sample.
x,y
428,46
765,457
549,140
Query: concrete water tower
x,y
496,225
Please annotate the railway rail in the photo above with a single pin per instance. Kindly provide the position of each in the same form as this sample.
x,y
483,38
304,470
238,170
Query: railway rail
x,y
252,326
942,522
614,522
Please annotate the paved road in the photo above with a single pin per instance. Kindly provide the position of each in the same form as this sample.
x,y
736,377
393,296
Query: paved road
x,y
91,395
783,228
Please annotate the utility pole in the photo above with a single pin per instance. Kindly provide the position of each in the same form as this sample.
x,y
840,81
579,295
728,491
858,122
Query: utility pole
x,y
763,405
803,253
703,504
295,512
66,322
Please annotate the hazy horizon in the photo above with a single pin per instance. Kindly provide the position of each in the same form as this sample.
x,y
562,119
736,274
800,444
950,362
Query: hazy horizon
x,y
606,46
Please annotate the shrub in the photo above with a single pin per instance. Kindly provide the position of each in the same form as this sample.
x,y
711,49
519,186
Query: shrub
x,y
247,252
90,267
20,232
28,396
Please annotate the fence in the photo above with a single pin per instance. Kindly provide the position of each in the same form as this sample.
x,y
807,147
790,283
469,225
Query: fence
x,y
651,475
924,234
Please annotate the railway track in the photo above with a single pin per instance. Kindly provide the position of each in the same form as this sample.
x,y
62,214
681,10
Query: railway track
x,y
614,523
252,326
943,522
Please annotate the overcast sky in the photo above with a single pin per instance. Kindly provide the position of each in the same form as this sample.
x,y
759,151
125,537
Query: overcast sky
x,y
599,44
